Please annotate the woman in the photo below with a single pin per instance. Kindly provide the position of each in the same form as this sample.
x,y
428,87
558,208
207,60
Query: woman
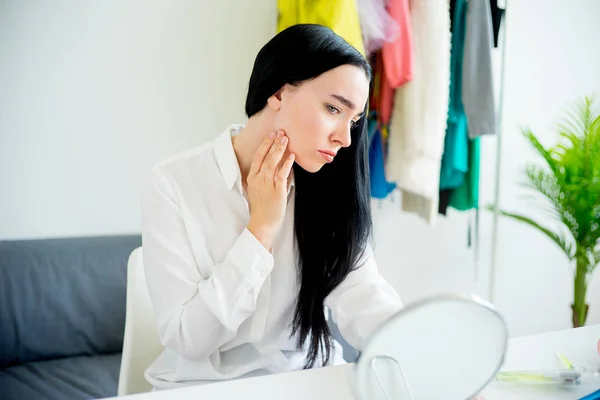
x,y
247,238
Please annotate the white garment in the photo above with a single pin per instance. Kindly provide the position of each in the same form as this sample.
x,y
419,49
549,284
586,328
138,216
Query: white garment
x,y
418,124
224,303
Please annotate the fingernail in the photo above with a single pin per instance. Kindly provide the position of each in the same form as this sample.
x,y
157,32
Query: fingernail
x,y
283,140
271,135
291,157
281,132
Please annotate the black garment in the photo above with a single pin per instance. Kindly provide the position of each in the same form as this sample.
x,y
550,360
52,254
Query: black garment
x,y
452,7
444,201
497,14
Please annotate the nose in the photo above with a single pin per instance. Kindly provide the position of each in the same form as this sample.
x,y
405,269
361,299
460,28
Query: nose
x,y
342,137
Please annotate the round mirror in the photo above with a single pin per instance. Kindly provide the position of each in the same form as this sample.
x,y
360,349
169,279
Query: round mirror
x,y
446,347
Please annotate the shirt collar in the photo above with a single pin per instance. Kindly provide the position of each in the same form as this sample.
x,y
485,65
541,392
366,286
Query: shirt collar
x,y
226,158
227,161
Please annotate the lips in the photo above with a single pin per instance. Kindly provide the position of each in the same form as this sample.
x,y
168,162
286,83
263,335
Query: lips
x,y
328,155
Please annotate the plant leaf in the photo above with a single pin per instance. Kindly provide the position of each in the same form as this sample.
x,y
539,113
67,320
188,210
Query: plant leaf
x,y
559,240
596,260
570,180
546,154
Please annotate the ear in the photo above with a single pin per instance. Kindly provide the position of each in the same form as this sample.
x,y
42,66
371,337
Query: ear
x,y
274,102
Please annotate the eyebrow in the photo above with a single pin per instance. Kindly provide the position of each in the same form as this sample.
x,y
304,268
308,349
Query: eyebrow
x,y
344,101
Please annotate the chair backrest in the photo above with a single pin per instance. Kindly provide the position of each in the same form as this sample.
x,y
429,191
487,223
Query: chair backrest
x,y
140,343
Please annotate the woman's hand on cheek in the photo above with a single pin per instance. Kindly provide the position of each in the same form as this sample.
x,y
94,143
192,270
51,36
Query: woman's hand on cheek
x,y
267,187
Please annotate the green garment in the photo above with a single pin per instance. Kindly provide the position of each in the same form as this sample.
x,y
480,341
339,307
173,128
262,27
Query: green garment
x,y
455,158
460,162
466,196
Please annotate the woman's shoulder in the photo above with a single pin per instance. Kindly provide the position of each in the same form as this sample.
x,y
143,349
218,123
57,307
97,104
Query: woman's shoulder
x,y
190,158
207,152
192,164
194,168
186,157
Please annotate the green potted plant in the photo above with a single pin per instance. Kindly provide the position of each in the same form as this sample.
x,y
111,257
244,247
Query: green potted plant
x,y
569,183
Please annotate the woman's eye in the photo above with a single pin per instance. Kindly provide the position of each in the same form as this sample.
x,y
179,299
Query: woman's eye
x,y
332,109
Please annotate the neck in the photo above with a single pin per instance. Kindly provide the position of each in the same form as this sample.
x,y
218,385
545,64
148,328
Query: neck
x,y
249,140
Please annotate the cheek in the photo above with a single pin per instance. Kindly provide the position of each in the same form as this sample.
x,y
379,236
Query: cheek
x,y
302,126
292,147
307,127
307,135
303,119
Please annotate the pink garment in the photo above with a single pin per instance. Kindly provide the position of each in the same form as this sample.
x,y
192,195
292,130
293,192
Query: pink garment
x,y
386,99
398,55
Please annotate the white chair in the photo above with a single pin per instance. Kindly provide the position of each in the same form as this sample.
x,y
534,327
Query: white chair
x,y
140,343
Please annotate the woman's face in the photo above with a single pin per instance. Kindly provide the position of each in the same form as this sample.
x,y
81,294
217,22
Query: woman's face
x,y
317,115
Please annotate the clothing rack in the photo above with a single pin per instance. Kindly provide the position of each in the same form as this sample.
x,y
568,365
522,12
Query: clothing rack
x,y
494,246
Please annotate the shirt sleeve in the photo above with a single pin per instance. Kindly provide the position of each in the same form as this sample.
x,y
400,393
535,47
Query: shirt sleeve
x,y
195,315
362,302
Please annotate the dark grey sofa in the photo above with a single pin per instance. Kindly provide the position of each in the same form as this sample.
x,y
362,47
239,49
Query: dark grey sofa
x,y
62,316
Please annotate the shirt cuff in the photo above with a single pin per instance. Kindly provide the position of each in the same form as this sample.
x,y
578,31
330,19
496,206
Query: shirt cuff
x,y
251,258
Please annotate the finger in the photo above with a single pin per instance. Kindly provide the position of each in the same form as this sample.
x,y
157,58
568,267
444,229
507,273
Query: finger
x,y
274,157
284,172
261,153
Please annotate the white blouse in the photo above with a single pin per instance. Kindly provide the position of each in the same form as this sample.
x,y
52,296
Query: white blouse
x,y
224,304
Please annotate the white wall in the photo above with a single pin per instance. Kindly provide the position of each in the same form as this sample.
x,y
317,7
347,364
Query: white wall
x,y
553,59
93,93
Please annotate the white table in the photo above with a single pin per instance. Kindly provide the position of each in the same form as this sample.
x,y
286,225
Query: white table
x,y
539,352
332,383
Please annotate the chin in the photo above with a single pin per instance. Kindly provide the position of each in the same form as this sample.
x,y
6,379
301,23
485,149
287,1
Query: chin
x,y
311,167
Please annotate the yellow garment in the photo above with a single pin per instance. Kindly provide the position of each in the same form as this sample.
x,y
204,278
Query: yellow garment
x,y
384,133
341,16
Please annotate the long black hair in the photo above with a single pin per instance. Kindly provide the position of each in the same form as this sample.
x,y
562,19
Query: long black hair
x,y
332,216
